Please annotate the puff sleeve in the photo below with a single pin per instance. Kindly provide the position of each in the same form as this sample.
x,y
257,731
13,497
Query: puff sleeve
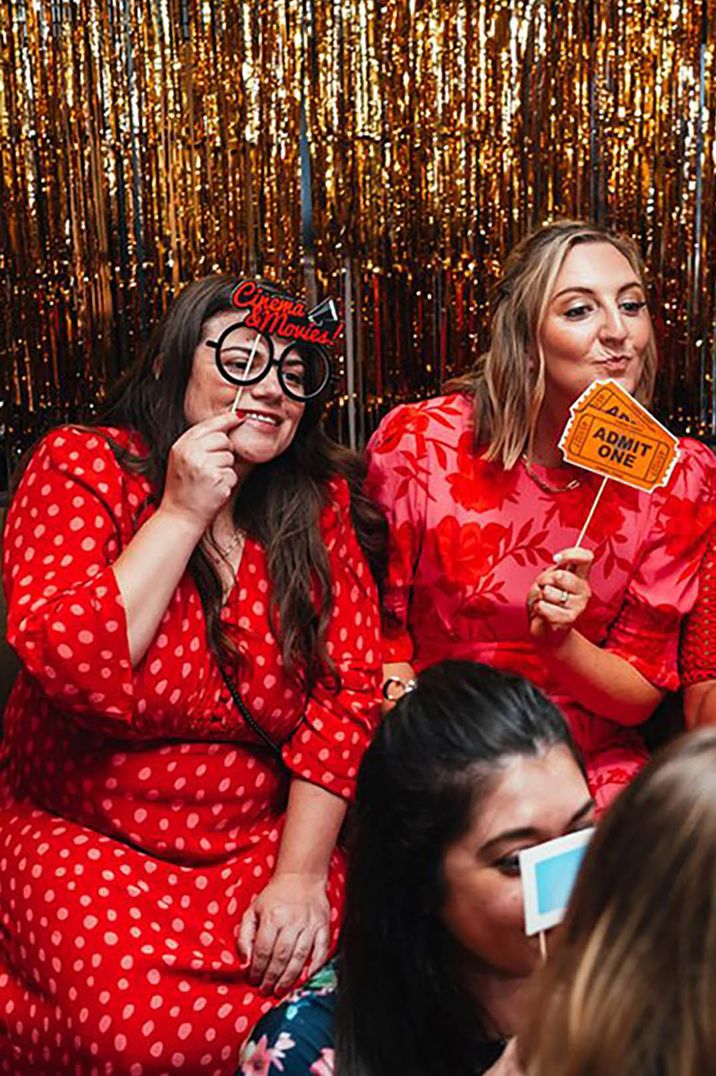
x,y
328,745
664,584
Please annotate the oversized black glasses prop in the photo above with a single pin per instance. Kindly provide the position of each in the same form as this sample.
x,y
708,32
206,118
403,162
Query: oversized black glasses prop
x,y
245,351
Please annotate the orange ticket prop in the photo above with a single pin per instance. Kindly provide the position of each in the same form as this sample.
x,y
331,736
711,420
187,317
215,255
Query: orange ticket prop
x,y
622,441
611,434
610,397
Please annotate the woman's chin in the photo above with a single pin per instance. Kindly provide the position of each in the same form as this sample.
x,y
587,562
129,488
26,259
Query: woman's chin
x,y
251,454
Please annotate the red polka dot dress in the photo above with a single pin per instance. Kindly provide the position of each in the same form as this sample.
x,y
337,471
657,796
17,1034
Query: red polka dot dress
x,y
139,816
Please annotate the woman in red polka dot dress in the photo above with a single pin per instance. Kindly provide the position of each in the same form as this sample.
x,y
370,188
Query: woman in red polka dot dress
x,y
197,621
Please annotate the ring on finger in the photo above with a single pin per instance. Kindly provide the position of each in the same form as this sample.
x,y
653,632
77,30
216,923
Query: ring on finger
x,y
564,597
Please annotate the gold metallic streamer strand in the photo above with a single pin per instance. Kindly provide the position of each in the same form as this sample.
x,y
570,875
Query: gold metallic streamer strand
x,y
143,144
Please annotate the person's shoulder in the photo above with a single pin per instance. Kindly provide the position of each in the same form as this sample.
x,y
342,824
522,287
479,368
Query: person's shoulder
x,y
444,414
64,440
695,468
690,448
83,451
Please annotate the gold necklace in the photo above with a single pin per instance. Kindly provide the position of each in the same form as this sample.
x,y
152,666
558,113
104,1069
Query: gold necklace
x,y
545,486
226,551
238,537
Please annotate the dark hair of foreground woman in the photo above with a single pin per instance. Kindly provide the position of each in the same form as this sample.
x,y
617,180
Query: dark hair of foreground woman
x,y
403,1003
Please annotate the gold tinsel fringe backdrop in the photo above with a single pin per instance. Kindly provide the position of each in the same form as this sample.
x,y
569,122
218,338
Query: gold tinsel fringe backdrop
x,y
390,151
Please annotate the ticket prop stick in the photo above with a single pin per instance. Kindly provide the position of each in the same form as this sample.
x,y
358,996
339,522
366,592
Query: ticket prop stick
x,y
612,435
543,946
592,510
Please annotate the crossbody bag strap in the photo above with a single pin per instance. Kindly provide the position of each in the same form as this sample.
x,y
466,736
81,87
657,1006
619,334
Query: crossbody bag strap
x,y
248,716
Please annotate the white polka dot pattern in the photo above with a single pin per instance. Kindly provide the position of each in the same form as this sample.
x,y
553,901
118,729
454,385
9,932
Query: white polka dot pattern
x,y
138,818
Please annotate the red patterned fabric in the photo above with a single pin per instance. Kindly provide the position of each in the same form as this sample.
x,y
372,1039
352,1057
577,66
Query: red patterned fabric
x,y
468,539
698,652
138,819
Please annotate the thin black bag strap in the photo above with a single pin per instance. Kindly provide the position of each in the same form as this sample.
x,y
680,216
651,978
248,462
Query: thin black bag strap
x,y
248,716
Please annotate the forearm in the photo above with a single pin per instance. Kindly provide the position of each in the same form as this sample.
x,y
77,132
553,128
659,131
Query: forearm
x,y
314,818
601,681
148,572
700,704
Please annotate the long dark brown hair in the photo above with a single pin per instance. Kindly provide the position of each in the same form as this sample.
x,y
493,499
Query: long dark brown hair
x,y
280,502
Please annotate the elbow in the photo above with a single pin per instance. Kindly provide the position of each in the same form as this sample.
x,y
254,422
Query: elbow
x,y
700,704
633,710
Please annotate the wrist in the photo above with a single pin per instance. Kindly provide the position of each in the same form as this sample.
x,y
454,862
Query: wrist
x,y
555,644
302,876
182,520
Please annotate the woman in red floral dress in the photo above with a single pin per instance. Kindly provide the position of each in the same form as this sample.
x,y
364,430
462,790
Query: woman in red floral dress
x,y
484,514
199,634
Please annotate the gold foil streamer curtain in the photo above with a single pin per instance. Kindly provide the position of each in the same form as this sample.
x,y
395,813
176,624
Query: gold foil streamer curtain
x,y
143,142
147,141
444,130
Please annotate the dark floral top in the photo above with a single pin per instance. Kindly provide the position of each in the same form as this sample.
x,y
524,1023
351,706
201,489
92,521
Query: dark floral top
x,y
297,1038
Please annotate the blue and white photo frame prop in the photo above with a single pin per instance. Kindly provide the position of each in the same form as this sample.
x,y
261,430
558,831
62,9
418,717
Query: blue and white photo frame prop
x,y
548,873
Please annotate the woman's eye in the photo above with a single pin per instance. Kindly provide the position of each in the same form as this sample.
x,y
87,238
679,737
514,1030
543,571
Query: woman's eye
x,y
509,864
633,306
575,312
294,377
235,363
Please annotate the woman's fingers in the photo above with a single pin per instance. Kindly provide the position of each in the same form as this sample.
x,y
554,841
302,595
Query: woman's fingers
x,y
556,595
576,560
247,933
274,952
223,422
557,599
556,615
284,979
262,951
319,954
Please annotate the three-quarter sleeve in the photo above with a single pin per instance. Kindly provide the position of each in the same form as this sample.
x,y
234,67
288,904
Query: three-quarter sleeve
x,y
698,647
664,584
66,619
392,484
328,745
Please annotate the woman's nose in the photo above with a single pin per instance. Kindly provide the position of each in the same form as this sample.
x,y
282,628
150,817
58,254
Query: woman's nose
x,y
613,326
269,387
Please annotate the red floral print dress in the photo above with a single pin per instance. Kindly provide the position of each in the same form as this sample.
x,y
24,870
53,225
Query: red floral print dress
x,y
138,814
468,538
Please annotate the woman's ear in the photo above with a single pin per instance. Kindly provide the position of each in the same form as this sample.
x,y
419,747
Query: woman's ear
x,y
158,366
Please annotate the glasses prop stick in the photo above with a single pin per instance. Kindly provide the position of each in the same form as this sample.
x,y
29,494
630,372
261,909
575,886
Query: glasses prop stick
x,y
237,398
612,435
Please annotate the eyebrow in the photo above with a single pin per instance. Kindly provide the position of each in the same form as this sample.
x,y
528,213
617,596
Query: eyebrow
x,y
530,831
590,291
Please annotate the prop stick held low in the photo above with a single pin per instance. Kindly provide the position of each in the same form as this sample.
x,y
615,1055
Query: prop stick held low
x,y
543,946
592,510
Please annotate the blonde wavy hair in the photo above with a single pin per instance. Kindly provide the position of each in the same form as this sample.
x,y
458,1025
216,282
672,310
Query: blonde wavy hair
x,y
630,986
508,381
